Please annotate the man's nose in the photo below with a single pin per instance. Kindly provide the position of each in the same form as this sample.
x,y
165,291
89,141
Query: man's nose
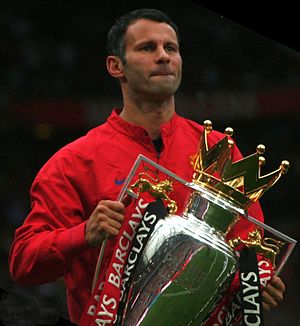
x,y
162,55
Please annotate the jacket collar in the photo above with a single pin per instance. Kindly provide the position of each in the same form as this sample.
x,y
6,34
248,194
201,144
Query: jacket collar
x,y
120,125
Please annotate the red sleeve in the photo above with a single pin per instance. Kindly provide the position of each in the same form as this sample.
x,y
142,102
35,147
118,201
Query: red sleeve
x,y
53,232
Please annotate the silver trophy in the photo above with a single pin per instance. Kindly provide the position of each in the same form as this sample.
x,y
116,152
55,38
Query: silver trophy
x,y
187,265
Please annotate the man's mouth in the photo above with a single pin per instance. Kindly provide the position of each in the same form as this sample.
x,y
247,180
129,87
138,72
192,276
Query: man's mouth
x,y
162,73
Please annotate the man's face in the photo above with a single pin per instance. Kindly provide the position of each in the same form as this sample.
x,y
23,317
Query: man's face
x,y
153,62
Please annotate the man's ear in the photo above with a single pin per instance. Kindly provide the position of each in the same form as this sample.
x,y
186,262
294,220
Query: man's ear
x,y
115,66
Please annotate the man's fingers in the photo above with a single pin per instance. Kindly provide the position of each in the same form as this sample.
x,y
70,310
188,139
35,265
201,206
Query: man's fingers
x,y
114,210
96,233
272,294
277,283
110,224
268,300
266,306
105,222
109,231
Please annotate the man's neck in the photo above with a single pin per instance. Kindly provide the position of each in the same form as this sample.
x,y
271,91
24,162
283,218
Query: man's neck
x,y
149,115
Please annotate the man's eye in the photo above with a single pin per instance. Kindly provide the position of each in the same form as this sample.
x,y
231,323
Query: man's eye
x,y
170,48
147,48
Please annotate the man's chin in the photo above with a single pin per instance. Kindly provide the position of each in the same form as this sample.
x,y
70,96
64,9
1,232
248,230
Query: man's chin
x,y
162,95
165,88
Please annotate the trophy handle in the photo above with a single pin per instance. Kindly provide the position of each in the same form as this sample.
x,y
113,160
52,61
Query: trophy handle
x,y
290,241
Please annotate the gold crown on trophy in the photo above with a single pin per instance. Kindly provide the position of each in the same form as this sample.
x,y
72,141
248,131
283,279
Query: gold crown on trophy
x,y
240,182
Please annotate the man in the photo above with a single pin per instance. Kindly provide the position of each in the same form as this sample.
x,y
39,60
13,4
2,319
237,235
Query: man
x,y
74,207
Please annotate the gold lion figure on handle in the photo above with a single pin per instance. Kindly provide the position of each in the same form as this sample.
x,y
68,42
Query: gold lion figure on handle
x,y
268,247
158,190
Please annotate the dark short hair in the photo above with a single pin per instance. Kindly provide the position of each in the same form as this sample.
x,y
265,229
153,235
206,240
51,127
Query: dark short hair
x,y
116,35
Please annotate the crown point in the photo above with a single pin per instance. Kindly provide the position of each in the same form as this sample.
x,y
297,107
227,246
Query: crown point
x,y
230,143
260,149
207,125
229,131
285,165
261,161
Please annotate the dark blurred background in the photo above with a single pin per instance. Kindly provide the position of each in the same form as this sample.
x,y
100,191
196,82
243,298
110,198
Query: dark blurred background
x,y
54,87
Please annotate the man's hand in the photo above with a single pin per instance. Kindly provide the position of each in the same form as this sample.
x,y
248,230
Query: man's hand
x,y
105,222
272,294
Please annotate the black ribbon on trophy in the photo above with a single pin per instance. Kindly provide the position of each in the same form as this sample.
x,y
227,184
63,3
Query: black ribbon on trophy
x,y
250,288
246,306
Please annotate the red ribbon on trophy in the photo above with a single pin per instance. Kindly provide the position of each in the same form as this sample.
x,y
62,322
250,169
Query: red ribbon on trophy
x,y
104,307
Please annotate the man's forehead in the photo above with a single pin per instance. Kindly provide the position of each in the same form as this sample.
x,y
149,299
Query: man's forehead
x,y
143,29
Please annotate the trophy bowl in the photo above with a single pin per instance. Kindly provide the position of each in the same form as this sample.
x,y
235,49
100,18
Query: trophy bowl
x,y
185,268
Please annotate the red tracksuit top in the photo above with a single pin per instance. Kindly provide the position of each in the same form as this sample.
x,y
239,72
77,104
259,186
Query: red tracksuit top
x,y
51,242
